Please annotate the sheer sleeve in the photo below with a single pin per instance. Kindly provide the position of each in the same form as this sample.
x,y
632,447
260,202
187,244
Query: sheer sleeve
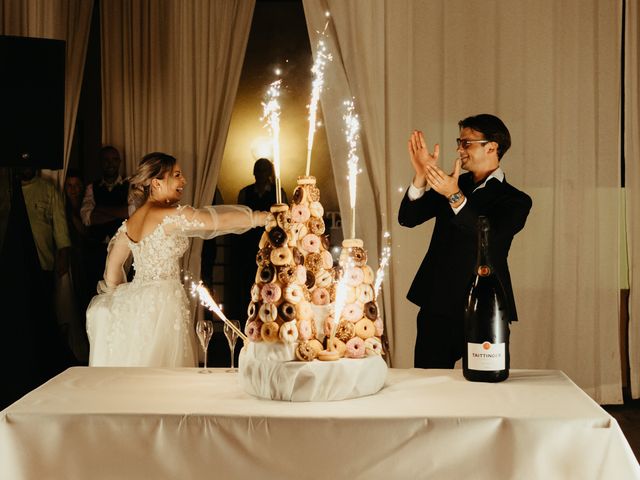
x,y
118,253
211,221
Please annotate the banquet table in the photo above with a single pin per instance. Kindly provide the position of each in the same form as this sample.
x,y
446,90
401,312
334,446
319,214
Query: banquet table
x,y
149,423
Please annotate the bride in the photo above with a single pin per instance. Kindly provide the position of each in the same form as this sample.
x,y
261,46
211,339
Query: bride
x,y
147,322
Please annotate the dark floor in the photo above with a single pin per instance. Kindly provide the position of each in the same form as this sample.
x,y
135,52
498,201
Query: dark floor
x,y
628,417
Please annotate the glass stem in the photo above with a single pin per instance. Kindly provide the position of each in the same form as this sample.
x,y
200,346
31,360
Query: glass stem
x,y
205,358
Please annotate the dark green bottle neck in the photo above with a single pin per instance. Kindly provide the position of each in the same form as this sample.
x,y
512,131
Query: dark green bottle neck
x,y
483,262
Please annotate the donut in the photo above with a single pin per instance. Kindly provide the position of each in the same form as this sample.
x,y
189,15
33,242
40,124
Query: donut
x,y
311,243
379,326
252,309
304,330
358,255
316,225
293,293
365,329
316,345
305,351
268,312
255,292
266,274
354,276
372,346
287,274
339,345
345,331
304,310
371,310
310,280
349,294
332,292
368,276
252,330
264,240
355,348
313,193
263,256
316,209
277,236
313,262
298,195
287,311
320,296
288,332
300,213
306,293
298,258
323,279
364,293
285,221
281,256
326,241
327,327
294,232
269,332
327,259
271,293
301,275
352,312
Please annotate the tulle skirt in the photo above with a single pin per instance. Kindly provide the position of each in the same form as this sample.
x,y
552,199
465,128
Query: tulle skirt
x,y
142,324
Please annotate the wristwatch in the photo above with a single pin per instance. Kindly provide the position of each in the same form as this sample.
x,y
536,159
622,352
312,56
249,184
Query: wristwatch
x,y
455,197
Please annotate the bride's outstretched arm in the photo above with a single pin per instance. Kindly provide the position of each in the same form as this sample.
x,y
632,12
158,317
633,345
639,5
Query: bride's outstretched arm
x,y
211,221
117,254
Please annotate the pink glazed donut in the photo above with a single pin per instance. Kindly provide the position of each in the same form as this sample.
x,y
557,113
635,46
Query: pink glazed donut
x,y
355,348
311,243
252,330
354,276
352,312
300,213
320,296
304,330
271,292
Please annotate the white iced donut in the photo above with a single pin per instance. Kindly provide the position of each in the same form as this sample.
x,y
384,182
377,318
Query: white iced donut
x,y
323,279
316,209
293,293
364,293
289,332
255,292
372,346
368,274
268,312
354,276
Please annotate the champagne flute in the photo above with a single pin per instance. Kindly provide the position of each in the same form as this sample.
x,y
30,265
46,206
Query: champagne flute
x,y
204,330
232,337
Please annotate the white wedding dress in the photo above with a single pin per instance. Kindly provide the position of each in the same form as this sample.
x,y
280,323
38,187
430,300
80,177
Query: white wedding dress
x,y
148,322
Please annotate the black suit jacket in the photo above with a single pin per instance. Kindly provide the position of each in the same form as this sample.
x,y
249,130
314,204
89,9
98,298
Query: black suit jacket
x,y
444,276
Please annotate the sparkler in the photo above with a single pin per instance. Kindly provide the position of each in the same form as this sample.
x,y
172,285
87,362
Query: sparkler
x,y
322,57
207,301
384,261
271,113
352,124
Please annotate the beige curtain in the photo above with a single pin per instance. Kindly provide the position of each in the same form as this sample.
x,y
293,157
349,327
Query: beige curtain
x,y
170,71
67,20
632,184
550,70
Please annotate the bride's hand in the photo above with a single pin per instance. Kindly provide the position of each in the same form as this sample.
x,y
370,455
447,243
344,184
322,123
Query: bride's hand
x,y
260,219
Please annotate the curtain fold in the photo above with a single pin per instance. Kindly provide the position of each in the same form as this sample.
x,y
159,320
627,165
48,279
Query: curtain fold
x,y
68,20
550,70
632,186
170,72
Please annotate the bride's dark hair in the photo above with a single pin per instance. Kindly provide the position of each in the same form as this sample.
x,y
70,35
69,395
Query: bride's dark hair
x,y
153,165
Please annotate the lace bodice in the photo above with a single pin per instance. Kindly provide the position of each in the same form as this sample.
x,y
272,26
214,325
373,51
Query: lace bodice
x,y
157,256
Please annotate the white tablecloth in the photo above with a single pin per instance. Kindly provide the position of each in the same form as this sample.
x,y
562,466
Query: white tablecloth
x,y
123,423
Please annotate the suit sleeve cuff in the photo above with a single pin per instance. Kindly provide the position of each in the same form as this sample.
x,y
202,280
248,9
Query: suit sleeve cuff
x,y
414,193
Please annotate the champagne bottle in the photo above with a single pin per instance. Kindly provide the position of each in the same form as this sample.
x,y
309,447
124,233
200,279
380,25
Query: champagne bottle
x,y
486,323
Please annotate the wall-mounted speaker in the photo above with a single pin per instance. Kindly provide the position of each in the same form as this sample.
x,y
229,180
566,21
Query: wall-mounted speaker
x,y
31,102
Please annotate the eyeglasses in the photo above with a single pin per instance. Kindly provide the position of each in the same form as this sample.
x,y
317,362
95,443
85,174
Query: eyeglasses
x,y
464,143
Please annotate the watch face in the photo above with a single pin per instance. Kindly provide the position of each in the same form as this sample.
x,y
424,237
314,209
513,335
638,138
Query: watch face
x,y
455,197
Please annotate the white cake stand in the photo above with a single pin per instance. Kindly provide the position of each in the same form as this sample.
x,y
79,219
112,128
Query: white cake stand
x,y
267,370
